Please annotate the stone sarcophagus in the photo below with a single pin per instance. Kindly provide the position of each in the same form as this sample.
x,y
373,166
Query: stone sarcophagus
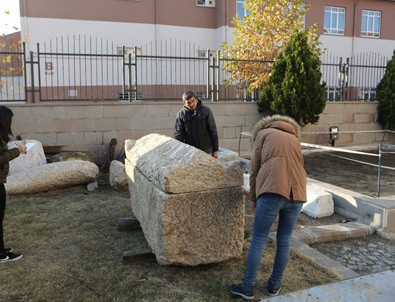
x,y
190,206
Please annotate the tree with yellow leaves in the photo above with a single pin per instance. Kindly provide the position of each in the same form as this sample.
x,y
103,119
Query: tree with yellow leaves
x,y
259,37
11,47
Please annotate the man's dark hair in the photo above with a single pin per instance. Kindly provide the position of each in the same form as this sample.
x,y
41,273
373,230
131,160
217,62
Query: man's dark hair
x,y
187,95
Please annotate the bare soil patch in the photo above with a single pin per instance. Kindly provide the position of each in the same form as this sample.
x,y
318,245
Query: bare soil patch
x,y
355,176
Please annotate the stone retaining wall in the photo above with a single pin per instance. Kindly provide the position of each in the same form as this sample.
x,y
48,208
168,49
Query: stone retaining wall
x,y
86,126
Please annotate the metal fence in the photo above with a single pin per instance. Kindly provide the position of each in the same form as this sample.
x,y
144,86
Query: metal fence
x,y
82,68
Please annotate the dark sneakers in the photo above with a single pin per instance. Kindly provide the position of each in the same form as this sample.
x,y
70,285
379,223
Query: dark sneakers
x,y
273,291
240,290
9,256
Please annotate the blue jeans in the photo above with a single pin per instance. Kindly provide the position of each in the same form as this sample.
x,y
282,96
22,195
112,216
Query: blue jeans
x,y
267,208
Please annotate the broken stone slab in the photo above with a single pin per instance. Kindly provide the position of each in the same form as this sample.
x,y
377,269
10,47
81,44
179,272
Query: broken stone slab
x,y
169,164
227,155
72,155
33,157
51,177
190,206
319,203
117,176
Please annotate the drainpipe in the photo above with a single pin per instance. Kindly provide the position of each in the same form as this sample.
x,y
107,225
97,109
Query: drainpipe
x,y
156,42
353,27
156,12
226,21
22,8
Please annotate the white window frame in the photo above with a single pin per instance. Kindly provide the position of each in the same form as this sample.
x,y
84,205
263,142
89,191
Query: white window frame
x,y
370,16
336,14
244,12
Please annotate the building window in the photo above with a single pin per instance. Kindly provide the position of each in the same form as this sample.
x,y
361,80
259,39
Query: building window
x,y
333,93
370,24
240,10
367,93
334,20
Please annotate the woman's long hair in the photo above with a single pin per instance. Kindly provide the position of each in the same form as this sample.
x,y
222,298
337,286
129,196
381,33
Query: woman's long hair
x,y
5,123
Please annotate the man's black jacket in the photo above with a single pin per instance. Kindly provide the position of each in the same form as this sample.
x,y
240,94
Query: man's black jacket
x,y
197,128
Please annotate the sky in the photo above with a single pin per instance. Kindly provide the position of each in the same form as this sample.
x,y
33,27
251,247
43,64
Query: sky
x,y
9,21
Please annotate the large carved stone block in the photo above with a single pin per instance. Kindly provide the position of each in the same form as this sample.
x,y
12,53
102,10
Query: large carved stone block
x,y
190,206
51,177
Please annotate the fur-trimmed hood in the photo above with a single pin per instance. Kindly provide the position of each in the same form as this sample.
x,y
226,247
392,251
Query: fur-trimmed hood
x,y
270,121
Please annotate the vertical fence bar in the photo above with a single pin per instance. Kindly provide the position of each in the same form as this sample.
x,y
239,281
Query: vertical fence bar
x,y
208,75
25,69
39,72
131,98
32,90
135,71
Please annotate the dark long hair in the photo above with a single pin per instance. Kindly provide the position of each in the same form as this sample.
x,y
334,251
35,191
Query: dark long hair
x,y
5,123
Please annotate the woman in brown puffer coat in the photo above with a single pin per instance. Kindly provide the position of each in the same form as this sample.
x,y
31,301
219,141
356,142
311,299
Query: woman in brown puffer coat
x,y
278,189
6,155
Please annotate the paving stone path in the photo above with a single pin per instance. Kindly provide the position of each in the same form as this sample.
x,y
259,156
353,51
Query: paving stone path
x,y
365,255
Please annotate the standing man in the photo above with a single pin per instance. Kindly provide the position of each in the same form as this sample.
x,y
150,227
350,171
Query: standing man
x,y
278,189
195,125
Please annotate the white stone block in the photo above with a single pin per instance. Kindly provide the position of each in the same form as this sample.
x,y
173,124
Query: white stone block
x,y
319,203
117,176
33,157
246,184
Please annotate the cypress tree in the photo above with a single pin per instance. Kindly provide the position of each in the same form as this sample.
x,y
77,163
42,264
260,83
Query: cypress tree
x,y
386,96
294,87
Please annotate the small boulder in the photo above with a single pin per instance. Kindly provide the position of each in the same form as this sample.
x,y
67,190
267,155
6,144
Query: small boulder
x,y
117,176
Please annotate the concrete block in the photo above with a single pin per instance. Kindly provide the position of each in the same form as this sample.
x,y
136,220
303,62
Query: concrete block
x,y
319,203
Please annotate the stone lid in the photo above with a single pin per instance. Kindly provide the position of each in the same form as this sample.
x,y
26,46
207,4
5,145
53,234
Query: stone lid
x,y
175,167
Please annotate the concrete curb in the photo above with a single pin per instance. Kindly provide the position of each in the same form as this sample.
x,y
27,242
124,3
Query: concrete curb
x,y
378,212
333,232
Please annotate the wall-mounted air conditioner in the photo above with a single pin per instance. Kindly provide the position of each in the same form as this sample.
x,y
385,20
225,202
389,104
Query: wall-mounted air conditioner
x,y
206,3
